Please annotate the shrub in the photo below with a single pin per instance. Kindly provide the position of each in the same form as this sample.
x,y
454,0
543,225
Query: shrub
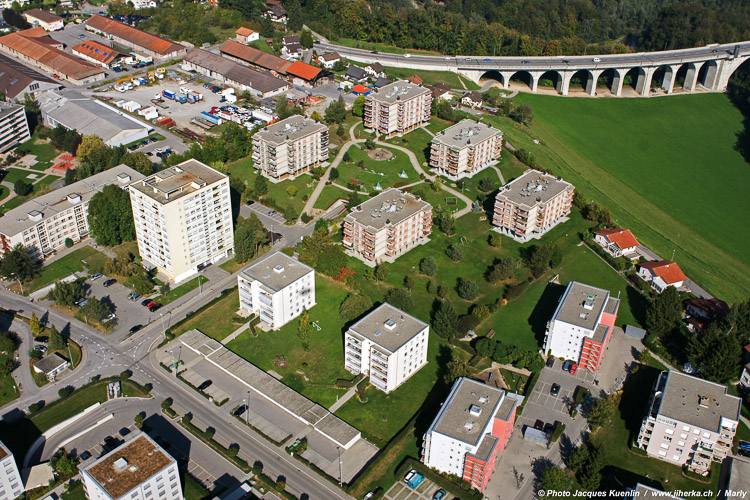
x,y
514,290
467,289
428,266
454,253
65,392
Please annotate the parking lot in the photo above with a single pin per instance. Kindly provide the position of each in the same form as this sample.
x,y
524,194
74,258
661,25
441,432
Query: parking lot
x,y
331,92
402,491
129,313
267,215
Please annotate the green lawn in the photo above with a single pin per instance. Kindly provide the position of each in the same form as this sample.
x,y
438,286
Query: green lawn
x,y
439,199
15,174
263,45
216,321
44,152
381,47
69,264
629,155
231,266
453,80
181,290
329,195
77,493
4,192
386,173
8,391
45,181
322,364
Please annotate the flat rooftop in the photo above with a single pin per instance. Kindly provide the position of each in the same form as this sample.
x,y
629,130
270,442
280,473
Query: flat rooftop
x,y
388,327
178,181
697,402
388,208
127,466
277,271
739,475
20,218
466,133
7,108
467,410
290,129
400,90
581,305
642,491
532,188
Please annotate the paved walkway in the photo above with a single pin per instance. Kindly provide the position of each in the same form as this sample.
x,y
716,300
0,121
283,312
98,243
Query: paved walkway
x,y
236,333
499,174
343,399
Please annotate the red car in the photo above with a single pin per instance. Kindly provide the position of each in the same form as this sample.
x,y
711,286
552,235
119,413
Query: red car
x,y
153,306
573,369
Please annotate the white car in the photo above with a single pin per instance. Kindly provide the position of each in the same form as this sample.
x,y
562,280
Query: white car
x,y
597,59
407,55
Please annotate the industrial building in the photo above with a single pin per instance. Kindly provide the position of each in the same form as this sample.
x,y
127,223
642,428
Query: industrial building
x,y
139,40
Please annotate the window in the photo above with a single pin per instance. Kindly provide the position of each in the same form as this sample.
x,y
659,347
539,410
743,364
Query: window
x,y
665,446
675,457
686,428
683,435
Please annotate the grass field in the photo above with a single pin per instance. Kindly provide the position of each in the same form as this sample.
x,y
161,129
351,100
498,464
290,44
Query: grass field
x,y
69,264
15,174
193,490
8,391
4,192
667,169
77,493
381,47
449,78
386,173
44,152
216,321
329,195
181,290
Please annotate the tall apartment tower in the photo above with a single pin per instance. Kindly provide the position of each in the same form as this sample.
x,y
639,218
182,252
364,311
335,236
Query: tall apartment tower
x,y
183,218
397,108
11,485
14,129
290,147
464,149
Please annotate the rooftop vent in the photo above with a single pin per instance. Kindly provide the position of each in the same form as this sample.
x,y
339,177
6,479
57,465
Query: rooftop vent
x,y
121,464
475,410
703,401
278,268
377,333
35,215
390,324
123,178
588,305
74,198
484,399
469,426
583,315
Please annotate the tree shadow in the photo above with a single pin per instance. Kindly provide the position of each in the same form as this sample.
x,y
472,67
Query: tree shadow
x,y
544,310
638,304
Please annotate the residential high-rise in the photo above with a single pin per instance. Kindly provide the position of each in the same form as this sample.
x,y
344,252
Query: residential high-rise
x,y
290,147
387,344
531,205
464,149
14,129
473,425
386,226
11,485
581,325
183,218
139,469
397,108
277,288
689,422
42,224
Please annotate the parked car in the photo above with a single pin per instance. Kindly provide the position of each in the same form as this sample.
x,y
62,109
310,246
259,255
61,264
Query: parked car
x,y
272,212
439,494
135,329
549,428
82,302
96,276
85,456
573,369
40,348
539,425
413,479
566,366
123,432
555,389
153,307
109,283
147,302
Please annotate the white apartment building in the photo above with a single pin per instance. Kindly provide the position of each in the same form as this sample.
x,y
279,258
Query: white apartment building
x,y
690,421
582,325
531,205
464,149
183,218
387,344
11,485
44,223
7,4
474,424
397,108
139,469
387,226
277,288
290,147
14,129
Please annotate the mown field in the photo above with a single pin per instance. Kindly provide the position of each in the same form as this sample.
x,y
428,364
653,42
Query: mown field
x,y
667,169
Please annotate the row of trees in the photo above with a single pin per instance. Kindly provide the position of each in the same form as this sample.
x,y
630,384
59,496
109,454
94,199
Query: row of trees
x,y
509,354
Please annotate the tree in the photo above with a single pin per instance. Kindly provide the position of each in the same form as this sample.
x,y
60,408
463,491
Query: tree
x,y
717,354
316,116
63,465
304,329
35,325
354,306
8,343
340,131
381,272
110,216
336,111
358,108
454,253
486,185
523,114
554,479
400,298
409,282
428,266
267,28
542,257
445,319
495,239
354,199
456,369
306,39
467,289
67,293
442,109
22,188
664,314
603,410
446,223
442,291
333,174
502,270
481,311
369,143
260,186
436,185
95,309
68,243
291,190
56,341
18,263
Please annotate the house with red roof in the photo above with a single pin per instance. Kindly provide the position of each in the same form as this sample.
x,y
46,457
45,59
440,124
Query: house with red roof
x,y
617,242
712,309
661,274
246,35
304,74
138,40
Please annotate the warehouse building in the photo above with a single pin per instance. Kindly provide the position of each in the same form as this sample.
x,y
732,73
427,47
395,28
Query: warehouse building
x,y
139,40
17,79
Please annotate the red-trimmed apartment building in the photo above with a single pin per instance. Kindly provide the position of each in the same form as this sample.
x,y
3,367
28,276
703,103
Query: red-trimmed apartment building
x,y
474,425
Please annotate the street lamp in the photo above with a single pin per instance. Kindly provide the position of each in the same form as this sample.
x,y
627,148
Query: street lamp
x,y
171,351
164,331
19,281
247,409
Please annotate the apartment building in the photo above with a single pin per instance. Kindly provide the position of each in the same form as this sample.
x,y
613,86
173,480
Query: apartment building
x,y
690,421
14,129
139,469
183,218
387,226
473,425
617,242
464,149
397,108
582,325
11,485
290,148
531,205
387,344
42,224
277,288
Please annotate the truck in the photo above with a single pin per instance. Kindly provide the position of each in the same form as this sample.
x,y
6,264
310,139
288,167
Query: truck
x,y
168,94
211,118
180,99
198,96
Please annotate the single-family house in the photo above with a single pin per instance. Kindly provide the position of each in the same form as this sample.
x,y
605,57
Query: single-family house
x,y
472,99
246,35
289,39
440,91
375,70
356,74
381,82
276,13
415,79
617,242
293,50
745,377
661,274
51,366
712,309
329,59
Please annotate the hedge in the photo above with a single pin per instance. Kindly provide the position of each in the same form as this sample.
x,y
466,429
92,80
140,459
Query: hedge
x,y
559,429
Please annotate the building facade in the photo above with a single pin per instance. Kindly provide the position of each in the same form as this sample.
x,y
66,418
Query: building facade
x,y
464,149
47,20
183,218
690,421
387,344
96,53
139,469
582,325
387,226
11,485
290,147
397,108
531,205
473,425
277,288
42,224
14,129
617,242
